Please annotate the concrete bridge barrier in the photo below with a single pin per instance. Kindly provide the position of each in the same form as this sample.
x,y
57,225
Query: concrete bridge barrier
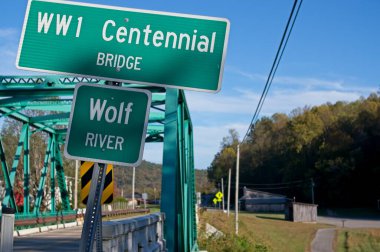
x,y
144,233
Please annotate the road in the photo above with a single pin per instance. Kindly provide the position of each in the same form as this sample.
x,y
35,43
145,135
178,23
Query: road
x,y
350,222
56,240
68,239
324,239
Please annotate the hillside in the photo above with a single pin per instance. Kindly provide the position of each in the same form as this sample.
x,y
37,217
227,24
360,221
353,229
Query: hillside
x,y
330,153
148,179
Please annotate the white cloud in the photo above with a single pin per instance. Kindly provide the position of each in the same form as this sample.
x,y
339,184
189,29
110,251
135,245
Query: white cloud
x,y
285,101
153,152
8,51
250,76
307,83
220,103
9,39
9,34
207,141
277,100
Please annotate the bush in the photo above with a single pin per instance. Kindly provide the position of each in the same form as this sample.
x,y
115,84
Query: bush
x,y
229,243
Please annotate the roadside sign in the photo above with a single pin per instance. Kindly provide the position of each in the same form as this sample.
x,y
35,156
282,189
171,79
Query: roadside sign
x,y
122,44
108,124
219,195
218,198
86,170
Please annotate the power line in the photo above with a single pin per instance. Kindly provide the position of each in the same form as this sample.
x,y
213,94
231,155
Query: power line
x,y
281,54
276,62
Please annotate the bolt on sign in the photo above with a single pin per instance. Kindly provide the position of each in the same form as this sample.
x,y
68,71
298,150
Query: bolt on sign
x,y
108,124
122,44
86,170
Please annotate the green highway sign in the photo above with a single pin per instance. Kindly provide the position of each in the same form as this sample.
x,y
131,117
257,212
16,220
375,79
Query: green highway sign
x,y
127,45
108,124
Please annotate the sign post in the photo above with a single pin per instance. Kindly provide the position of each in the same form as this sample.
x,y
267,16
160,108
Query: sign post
x,y
107,125
144,197
127,45
92,226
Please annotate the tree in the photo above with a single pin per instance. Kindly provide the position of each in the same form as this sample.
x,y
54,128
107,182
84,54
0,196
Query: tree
x,y
225,159
338,145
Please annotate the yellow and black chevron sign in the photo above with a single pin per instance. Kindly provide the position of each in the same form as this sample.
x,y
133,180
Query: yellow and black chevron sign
x,y
86,169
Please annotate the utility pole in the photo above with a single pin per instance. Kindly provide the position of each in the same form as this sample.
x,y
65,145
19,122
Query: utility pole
x,y
133,188
237,192
155,198
312,191
218,206
76,185
222,196
229,189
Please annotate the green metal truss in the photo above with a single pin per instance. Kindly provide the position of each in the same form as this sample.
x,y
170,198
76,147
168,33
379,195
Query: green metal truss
x,y
169,122
178,193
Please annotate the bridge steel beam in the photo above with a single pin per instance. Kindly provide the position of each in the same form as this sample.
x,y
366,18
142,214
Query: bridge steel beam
x,y
61,179
42,181
169,122
9,193
177,193
8,183
53,163
26,169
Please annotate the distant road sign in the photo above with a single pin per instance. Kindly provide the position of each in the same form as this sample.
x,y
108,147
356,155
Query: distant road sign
x,y
218,198
86,170
108,124
121,44
219,195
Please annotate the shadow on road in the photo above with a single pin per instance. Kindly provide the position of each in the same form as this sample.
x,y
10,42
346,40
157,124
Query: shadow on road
x,y
350,213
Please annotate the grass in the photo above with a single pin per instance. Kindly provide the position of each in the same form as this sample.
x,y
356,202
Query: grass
x,y
257,232
153,208
358,240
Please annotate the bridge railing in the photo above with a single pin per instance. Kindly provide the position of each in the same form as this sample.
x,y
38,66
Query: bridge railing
x,y
143,233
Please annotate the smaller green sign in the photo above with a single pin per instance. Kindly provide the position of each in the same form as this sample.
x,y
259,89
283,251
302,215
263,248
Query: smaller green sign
x,y
108,124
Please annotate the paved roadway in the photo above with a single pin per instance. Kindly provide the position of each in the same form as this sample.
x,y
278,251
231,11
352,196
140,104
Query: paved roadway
x,y
68,239
324,239
350,222
58,240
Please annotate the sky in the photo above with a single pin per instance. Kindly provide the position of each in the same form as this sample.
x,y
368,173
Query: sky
x,y
332,55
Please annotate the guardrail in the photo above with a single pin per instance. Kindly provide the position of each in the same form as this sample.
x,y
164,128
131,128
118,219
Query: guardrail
x,y
28,221
61,217
144,233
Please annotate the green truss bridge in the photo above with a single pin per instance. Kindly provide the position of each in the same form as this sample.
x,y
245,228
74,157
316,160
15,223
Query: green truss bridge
x,y
169,122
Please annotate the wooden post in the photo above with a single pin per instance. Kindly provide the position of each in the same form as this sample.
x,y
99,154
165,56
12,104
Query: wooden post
x,y
229,190
237,192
